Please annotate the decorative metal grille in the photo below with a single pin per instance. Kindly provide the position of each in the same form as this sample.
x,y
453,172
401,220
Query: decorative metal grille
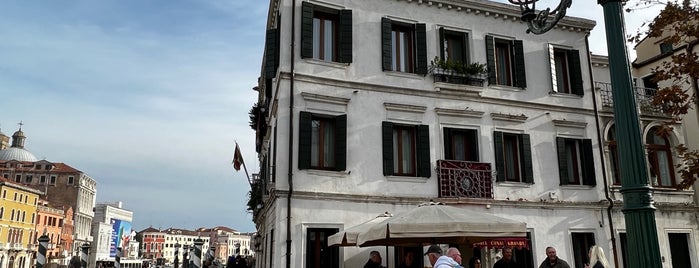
x,y
465,179
644,98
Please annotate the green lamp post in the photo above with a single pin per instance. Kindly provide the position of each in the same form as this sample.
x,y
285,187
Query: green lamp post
x,y
639,212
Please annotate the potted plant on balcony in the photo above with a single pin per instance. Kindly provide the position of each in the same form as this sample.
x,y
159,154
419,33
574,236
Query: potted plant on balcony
x,y
456,72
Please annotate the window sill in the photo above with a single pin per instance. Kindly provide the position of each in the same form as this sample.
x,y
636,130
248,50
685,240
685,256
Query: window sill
x,y
407,179
328,173
405,75
564,95
576,187
507,88
331,64
442,86
513,184
659,190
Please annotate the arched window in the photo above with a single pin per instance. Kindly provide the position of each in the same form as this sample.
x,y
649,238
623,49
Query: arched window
x,y
662,172
613,154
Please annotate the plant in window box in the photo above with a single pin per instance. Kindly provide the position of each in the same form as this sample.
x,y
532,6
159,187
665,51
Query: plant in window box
x,y
455,72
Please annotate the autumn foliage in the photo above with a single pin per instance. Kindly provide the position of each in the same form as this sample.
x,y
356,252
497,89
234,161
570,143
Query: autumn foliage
x,y
678,24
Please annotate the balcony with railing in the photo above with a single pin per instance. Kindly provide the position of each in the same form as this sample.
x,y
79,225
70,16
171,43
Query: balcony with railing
x,y
644,98
464,179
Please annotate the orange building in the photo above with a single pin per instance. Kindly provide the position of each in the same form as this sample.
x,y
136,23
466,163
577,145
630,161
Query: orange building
x,y
49,222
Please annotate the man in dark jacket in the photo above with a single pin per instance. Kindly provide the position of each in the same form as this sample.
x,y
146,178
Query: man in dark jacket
x,y
506,261
552,260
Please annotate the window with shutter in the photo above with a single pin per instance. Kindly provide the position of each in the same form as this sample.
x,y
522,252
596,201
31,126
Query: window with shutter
x,y
566,76
460,144
406,150
326,34
575,161
322,141
505,60
513,160
404,47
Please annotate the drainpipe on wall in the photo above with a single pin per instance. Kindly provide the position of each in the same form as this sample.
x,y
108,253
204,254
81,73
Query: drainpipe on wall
x,y
291,135
601,151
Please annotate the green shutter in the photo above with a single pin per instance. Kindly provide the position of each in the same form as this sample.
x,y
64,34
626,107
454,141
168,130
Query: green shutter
x,y
386,51
387,142
588,163
306,30
520,74
271,53
341,142
552,67
423,151
345,36
421,44
305,119
464,48
473,140
490,57
562,161
499,155
576,81
528,171
441,43
448,153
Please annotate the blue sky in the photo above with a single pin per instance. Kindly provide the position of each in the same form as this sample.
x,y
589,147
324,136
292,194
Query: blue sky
x,y
149,97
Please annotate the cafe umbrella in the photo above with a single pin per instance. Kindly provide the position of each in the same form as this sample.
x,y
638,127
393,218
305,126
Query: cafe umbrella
x,y
436,223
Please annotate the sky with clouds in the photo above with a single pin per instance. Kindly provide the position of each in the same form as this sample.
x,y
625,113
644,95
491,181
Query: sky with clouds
x,y
149,97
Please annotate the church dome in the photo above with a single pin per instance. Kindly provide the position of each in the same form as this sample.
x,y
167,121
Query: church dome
x,y
19,154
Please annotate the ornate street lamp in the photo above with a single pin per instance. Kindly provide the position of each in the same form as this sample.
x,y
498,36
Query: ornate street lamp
x,y
546,19
639,212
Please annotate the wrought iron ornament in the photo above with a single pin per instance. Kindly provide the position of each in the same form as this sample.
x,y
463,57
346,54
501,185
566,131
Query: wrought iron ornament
x,y
546,19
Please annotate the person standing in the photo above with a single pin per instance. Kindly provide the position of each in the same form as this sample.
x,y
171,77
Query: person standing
x,y
434,253
506,261
455,254
597,258
409,260
374,260
475,261
552,260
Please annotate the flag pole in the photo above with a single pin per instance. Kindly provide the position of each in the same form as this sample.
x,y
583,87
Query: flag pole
x,y
242,162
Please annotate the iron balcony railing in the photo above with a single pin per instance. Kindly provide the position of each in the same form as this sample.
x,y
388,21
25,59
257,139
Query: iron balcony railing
x,y
644,97
464,179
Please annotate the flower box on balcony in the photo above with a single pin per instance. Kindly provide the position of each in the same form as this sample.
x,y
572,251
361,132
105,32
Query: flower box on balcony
x,y
446,71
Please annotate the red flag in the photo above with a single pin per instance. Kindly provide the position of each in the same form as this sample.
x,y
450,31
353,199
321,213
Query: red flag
x,y
237,158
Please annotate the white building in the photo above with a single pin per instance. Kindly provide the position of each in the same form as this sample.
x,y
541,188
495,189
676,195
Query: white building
x,y
352,122
183,238
111,229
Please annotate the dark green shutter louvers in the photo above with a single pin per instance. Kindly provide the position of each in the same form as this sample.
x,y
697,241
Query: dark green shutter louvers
x,y
271,53
528,171
588,163
306,30
305,119
386,44
441,43
562,161
473,135
448,154
520,73
490,57
499,155
423,151
345,36
576,81
421,44
387,142
341,142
